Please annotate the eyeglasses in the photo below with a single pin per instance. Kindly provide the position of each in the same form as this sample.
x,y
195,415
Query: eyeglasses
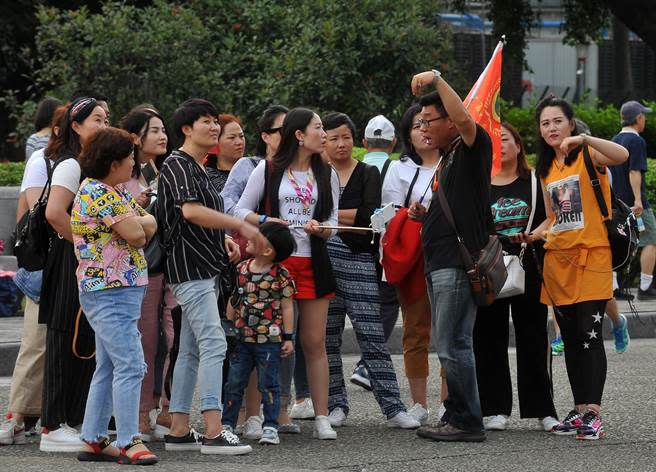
x,y
427,123
274,130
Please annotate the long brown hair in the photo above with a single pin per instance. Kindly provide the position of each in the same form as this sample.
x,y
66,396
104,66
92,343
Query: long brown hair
x,y
523,169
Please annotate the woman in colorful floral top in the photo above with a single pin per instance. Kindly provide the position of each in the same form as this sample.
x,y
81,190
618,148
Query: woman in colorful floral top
x,y
109,229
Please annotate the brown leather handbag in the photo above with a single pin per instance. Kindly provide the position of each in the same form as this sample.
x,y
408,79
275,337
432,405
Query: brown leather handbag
x,y
487,273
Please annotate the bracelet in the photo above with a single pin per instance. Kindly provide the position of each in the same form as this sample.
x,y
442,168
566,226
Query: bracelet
x,y
584,138
287,336
263,218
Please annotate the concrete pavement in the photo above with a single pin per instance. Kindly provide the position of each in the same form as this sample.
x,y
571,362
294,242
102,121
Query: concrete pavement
x,y
366,444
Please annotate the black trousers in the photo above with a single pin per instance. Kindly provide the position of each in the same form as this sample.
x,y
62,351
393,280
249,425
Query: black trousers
x,y
585,357
533,356
66,379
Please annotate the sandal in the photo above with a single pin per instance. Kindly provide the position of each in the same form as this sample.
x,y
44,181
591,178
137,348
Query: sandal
x,y
97,455
137,458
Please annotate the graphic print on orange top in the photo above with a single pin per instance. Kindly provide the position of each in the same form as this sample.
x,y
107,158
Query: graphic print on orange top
x,y
578,220
566,204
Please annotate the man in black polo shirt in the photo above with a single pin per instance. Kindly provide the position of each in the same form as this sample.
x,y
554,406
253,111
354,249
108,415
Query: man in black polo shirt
x,y
191,218
465,165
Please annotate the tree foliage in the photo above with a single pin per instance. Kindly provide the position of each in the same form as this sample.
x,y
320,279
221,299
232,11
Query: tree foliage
x,y
355,57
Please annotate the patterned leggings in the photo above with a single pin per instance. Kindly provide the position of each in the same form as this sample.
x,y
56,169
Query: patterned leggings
x,y
357,297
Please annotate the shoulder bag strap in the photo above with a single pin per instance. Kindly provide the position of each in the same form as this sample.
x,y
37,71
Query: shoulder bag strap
x,y
406,204
464,252
596,184
268,172
383,173
534,199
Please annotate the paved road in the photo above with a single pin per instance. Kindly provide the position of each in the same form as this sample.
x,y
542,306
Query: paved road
x,y
365,444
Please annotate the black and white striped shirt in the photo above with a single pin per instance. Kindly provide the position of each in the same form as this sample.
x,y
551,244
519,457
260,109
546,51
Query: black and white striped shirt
x,y
194,252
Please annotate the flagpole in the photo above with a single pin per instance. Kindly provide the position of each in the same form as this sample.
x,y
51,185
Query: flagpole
x,y
479,82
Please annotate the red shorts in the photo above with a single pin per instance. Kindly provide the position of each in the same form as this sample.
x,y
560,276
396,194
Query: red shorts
x,y
300,269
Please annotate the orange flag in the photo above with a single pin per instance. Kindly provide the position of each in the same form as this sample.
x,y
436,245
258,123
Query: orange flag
x,y
482,103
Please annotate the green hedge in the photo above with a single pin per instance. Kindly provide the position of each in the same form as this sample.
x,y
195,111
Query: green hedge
x,y
11,173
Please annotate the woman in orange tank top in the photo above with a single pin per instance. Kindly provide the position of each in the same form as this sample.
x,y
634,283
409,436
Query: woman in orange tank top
x,y
577,278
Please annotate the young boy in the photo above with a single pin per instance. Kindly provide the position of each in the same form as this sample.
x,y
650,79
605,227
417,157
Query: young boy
x,y
262,309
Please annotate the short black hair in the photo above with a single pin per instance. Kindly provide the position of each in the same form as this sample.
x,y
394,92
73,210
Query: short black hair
x,y
433,99
190,111
44,112
280,237
335,120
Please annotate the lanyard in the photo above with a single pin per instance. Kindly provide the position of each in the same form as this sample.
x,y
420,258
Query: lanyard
x,y
305,194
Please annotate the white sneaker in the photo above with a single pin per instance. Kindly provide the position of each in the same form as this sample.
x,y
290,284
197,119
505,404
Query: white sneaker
x,y
270,436
419,412
253,428
63,439
303,410
495,422
322,428
12,433
337,417
403,420
548,423
159,431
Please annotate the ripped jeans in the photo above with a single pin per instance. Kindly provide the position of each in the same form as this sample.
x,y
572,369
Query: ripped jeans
x,y
266,359
116,385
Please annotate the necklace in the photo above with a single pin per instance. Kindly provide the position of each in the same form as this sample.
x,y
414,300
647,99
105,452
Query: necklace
x,y
304,194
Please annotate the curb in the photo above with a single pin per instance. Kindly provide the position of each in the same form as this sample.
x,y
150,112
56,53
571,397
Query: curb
x,y
639,328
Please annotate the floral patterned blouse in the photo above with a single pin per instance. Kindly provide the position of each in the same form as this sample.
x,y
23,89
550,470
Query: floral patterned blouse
x,y
105,259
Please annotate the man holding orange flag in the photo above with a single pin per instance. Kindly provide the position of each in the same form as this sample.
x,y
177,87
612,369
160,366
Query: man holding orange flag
x,y
464,177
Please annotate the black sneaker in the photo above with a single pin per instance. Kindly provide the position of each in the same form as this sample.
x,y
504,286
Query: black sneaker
x,y
226,444
189,442
449,433
623,294
649,294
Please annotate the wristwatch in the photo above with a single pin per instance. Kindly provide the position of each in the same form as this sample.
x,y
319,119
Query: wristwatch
x,y
287,336
437,75
263,218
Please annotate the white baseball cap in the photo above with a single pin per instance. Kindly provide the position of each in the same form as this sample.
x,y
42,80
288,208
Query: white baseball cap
x,y
379,127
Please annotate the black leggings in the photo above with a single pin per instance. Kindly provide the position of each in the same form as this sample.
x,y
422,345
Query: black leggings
x,y
581,329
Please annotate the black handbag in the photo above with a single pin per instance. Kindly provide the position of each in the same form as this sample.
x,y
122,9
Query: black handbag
x,y
487,274
621,224
32,234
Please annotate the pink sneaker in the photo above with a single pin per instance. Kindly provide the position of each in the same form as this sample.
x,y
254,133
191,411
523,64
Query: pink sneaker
x,y
569,425
591,427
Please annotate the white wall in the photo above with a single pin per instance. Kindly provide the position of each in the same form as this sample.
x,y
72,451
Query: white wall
x,y
554,64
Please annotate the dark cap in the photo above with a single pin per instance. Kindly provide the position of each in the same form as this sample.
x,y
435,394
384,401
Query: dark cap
x,y
630,111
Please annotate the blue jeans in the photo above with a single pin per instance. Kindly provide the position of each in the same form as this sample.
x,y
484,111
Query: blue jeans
x,y
202,347
266,359
29,283
116,385
454,313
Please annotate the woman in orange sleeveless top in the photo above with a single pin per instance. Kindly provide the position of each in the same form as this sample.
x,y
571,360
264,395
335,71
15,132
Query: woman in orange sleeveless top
x,y
577,265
